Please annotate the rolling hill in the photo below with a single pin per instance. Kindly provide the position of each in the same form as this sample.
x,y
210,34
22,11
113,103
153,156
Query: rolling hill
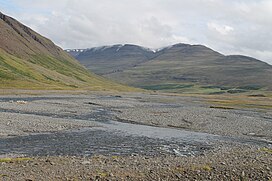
x,y
177,68
31,61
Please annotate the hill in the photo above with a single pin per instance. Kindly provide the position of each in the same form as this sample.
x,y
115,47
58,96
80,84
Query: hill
x,y
31,61
111,59
179,68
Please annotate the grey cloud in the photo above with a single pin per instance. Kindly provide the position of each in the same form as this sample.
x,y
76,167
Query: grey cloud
x,y
229,26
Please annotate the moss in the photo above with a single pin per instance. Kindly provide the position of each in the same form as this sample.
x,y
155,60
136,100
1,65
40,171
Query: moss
x,y
267,150
204,167
103,174
207,168
3,175
7,160
114,157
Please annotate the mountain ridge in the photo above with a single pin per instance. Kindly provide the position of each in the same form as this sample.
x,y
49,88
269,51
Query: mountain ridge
x,y
179,65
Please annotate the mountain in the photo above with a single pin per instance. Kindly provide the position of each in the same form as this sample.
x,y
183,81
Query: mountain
x,y
178,68
31,61
110,59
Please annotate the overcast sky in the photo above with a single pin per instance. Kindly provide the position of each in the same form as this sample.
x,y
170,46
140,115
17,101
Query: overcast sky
x,y
228,26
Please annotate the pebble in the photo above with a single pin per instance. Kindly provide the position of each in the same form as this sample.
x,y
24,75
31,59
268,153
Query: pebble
x,y
86,163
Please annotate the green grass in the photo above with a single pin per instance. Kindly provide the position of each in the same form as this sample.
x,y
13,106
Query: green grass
x,y
200,89
167,86
44,72
185,88
215,87
250,87
244,100
267,150
7,160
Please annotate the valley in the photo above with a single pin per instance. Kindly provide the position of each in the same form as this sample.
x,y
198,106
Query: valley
x,y
180,68
127,112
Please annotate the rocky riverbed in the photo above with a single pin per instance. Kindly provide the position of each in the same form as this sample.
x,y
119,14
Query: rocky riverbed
x,y
229,164
131,137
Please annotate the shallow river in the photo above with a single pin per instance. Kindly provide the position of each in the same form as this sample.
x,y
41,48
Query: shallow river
x,y
114,138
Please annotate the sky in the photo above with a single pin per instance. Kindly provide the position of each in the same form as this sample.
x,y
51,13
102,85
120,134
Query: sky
x,y
228,26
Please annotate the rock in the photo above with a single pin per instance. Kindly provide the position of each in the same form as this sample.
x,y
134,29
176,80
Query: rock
x,y
179,176
243,174
85,162
21,102
48,161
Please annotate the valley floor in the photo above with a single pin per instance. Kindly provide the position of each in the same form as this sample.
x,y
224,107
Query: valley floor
x,y
132,136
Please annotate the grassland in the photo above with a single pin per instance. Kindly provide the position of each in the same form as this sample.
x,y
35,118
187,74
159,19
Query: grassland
x,y
257,100
191,88
220,97
48,73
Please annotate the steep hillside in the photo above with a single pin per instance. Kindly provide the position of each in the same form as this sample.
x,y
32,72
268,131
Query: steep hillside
x,y
31,61
184,67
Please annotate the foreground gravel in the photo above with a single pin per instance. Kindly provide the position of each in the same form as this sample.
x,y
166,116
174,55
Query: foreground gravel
x,y
234,164
24,120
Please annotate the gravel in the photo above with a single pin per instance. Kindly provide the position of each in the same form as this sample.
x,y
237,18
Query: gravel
x,y
29,116
200,119
15,124
230,164
191,114
157,110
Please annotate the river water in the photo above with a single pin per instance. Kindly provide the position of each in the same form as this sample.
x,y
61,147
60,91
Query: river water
x,y
114,138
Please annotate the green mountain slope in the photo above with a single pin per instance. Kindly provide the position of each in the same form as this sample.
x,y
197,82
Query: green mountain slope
x,y
189,68
31,61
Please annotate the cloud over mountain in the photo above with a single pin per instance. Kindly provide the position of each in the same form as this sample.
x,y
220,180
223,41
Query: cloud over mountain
x,y
228,26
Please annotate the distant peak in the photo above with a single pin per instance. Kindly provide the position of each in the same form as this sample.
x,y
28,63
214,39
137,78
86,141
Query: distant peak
x,y
181,45
178,45
120,47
